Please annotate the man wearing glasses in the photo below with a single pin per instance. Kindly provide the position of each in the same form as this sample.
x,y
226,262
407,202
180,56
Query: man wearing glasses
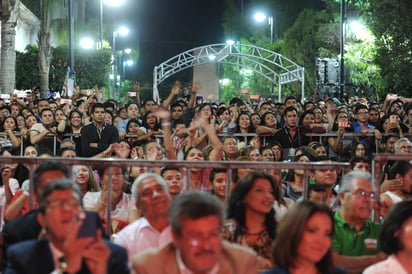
x,y
403,146
66,249
355,244
361,125
196,220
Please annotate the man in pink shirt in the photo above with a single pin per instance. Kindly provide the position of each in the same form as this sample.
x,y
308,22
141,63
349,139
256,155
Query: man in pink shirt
x,y
152,230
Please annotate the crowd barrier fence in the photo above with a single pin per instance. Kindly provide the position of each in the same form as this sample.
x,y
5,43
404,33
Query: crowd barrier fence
x,y
378,164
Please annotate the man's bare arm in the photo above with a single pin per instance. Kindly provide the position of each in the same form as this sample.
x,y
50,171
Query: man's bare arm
x,y
356,264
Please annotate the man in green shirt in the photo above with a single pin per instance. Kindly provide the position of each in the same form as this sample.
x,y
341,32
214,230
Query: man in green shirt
x,y
355,244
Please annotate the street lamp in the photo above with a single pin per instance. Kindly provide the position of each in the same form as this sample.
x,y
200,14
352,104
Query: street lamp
x,y
122,31
86,43
261,17
112,3
125,63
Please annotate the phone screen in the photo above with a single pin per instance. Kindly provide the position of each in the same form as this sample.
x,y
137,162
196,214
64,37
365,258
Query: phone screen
x,y
89,226
343,124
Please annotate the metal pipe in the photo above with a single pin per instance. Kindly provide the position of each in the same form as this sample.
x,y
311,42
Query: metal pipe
x,y
101,25
71,39
342,49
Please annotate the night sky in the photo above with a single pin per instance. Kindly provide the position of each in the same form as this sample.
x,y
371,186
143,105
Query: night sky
x,y
165,28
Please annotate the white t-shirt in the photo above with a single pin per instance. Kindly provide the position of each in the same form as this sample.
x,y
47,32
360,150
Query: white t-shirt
x,y
121,212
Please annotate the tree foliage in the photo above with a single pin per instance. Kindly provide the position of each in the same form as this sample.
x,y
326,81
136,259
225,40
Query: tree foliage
x,y
27,69
301,46
391,22
92,68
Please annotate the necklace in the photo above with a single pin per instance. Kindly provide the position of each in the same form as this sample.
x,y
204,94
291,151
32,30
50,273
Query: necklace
x,y
255,233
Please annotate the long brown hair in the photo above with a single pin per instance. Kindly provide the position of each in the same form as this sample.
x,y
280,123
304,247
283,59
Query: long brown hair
x,y
290,231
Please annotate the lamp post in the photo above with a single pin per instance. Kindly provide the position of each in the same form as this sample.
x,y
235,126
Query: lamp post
x,y
101,26
123,31
72,72
260,17
342,49
113,3
125,63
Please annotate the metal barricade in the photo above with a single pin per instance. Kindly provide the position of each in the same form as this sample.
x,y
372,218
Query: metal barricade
x,y
5,137
115,162
377,167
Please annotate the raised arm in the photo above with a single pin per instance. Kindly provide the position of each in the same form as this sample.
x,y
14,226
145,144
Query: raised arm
x,y
356,264
173,93
216,153
164,116
195,89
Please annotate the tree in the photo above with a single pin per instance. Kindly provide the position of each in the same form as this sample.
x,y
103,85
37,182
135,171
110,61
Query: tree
x,y
9,14
45,50
91,67
27,69
301,45
391,22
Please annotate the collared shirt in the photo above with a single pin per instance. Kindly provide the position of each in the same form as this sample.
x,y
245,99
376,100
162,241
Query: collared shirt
x,y
121,124
140,235
349,242
184,270
390,265
56,254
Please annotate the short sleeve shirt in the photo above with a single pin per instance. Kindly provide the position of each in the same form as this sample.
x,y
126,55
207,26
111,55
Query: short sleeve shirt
x,y
121,212
348,242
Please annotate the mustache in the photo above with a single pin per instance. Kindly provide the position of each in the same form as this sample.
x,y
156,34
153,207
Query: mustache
x,y
204,252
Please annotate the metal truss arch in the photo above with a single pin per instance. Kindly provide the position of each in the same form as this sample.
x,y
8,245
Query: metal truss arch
x,y
269,64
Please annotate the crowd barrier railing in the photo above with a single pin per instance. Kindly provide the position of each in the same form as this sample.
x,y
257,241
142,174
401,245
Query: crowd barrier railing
x,y
378,163
115,162
159,138
4,137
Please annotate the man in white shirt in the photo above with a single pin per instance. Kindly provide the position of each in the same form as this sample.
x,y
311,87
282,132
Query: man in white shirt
x,y
196,219
152,230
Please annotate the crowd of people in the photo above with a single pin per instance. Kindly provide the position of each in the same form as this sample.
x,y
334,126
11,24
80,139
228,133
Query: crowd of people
x,y
204,220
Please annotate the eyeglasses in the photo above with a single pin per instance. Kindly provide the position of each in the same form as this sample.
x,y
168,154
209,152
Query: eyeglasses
x,y
362,113
62,203
363,194
197,239
405,147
